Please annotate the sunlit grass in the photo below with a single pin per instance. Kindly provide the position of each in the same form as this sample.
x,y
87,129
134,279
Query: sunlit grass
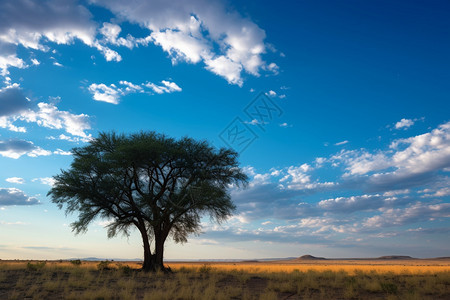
x,y
321,267
124,280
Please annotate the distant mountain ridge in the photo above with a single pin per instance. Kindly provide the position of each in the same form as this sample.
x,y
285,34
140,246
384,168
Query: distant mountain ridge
x,y
301,258
310,257
395,257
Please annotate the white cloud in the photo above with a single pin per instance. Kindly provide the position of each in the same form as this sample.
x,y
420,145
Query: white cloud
x,y
196,31
45,180
272,67
272,93
14,106
130,87
13,196
167,87
62,152
179,45
35,62
49,116
352,203
253,122
10,60
226,68
341,143
108,94
404,124
16,180
32,24
55,63
73,139
108,53
171,86
414,213
111,36
16,148
298,178
113,93
408,162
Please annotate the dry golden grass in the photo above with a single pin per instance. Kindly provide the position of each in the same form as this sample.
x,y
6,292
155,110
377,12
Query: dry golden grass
x,y
271,280
349,266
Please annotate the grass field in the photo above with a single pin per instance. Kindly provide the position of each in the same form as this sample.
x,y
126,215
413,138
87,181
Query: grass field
x,y
344,279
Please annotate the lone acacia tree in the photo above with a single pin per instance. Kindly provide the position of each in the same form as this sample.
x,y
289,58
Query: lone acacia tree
x,y
159,185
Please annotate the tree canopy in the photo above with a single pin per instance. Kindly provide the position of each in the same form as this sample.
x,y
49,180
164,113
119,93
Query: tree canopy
x,y
159,185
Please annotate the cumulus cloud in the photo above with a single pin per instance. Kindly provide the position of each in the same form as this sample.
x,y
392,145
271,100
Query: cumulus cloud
x,y
49,116
416,212
14,106
407,163
32,24
15,148
404,124
352,204
13,196
8,58
108,94
16,180
210,32
193,32
113,93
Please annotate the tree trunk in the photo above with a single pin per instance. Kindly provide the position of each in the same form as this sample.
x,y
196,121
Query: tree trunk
x,y
159,252
148,264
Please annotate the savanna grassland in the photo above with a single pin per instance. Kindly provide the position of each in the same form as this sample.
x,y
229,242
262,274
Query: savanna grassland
x,y
329,279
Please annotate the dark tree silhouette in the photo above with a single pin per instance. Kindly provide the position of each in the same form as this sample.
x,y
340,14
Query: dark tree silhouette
x,y
159,185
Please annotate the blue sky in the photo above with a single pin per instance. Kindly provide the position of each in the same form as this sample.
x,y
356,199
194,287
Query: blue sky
x,y
339,110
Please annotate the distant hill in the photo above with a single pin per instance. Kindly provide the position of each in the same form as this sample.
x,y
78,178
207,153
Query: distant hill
x,y
310,257
395,257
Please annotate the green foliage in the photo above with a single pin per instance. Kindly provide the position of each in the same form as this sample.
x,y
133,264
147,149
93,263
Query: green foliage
x,y
126,270
104,265
205,269
389,288
35,266
76,262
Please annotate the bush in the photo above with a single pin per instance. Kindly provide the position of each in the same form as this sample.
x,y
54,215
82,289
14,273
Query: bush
x,y
205,269
76,262
389,288
103,265
36,266
126,270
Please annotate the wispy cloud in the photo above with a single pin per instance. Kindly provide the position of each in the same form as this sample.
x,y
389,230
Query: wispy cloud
x,y
341,143
113,93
